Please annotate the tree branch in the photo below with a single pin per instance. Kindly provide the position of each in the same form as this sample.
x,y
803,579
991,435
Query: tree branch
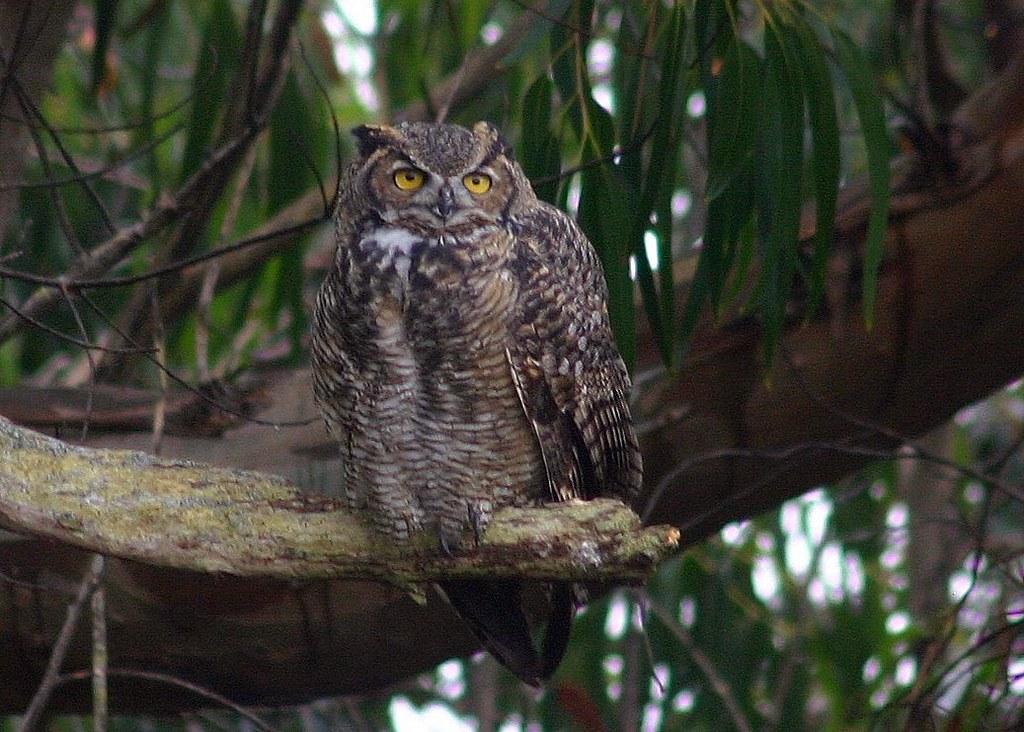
x,y
191,516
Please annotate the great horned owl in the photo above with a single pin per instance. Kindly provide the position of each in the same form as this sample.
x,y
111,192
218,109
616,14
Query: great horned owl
x,y
463,358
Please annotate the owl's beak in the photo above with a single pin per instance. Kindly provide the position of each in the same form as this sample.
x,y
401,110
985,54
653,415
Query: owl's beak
x,y
445,201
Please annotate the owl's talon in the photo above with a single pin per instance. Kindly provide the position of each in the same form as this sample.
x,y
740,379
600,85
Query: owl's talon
x,y
476,521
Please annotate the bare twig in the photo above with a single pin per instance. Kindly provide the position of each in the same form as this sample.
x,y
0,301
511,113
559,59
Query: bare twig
x,y
64,336
82,177
633,146
914,448
718,684
91,194
55,197
102,129
849,445
193,196
477,71
85,283
92,363
329,206
576,30
100,660
208,287
111,252
161,678
160,342
51,677
161,366
262,81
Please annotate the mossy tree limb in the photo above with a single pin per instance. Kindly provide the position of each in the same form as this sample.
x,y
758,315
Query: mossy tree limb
x,y
188,515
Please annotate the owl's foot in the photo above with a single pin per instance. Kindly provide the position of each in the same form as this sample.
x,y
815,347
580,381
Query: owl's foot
x,y
477,522
446,544
451,538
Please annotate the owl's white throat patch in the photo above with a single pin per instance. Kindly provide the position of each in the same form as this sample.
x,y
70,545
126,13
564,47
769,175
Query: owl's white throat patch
x,y
394,245
395,240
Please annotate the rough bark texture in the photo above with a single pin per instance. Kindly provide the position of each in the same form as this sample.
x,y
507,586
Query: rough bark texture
x,y
186,515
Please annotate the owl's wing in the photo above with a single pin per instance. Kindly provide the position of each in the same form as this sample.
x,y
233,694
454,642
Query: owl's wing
x,y
571,381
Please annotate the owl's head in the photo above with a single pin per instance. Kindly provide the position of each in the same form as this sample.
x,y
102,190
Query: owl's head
x,y
439,176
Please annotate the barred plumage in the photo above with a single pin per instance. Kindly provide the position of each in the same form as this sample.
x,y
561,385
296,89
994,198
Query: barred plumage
x,y
462,356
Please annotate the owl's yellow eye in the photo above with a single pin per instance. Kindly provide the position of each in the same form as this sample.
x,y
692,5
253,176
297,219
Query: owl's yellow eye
x,y
409,179
477,182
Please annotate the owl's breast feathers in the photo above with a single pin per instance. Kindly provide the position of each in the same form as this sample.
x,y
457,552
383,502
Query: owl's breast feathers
x,y
410,361
534,294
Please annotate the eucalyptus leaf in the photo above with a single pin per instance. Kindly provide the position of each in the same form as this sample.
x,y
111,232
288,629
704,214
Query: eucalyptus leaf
x,y
861,80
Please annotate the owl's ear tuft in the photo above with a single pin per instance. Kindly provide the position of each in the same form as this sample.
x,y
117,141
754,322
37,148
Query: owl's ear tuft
x,y
495,141
370,138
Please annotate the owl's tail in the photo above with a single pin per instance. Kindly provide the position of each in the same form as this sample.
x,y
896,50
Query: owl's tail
x,y
493,610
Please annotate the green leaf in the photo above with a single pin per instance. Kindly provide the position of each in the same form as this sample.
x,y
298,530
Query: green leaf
x,y
732,124
728,216
569,66
861,79
539,150
218,56
106,18
700,290
659,179
782,153
156,40
470,18
821,109
743,257
296,140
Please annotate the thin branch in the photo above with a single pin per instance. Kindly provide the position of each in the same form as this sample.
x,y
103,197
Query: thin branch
x,y
157,361
209,282
844,447
55,197
103,129
64,336
338,166
477,72
718,684
193,196
100,659
917,451
768,454
632,147
81,177
92,364
97,203
73,283
111,252
10,66
51,677
271,72
161,678
577,31
160,359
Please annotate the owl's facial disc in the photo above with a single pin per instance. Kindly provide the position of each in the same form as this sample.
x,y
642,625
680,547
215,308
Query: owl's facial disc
x,y
441,202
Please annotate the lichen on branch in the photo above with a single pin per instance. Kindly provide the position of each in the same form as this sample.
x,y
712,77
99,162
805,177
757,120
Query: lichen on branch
x,y
188,515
